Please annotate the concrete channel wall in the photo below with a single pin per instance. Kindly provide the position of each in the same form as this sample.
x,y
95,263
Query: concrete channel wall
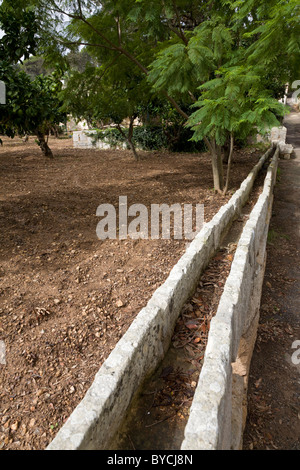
x,y
216,418
96,419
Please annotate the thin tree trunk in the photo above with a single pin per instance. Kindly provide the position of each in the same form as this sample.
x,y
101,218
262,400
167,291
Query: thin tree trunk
x,y
220,165
216,178
132,146
226,151
129,137
217,168
55,132
130,134
229,164
43,145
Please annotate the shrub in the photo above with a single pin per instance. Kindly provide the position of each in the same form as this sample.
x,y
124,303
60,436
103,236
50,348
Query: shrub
x,y
151,137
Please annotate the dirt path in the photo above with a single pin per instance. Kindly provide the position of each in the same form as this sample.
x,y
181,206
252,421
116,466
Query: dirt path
x,y
273,420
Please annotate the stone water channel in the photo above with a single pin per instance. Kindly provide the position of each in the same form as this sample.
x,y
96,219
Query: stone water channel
x,y
158,416
141,396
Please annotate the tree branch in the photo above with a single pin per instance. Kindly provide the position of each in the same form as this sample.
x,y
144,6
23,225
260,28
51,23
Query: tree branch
x,y
120,49
79,6
182,35
62,12
179,33
108,66
77,43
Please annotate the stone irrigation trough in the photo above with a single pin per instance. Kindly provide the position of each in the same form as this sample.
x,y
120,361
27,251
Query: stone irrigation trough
x,y
96,419
217,417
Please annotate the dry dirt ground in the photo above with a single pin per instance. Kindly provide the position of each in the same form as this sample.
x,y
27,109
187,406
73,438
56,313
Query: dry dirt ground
x,y
274,386
67,297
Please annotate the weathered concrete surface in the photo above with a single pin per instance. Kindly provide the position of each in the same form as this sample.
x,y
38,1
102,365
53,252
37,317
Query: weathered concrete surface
x,y
215,422
96,419
278,134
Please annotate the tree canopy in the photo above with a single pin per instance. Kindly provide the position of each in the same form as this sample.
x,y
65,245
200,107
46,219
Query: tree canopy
x,y
222,65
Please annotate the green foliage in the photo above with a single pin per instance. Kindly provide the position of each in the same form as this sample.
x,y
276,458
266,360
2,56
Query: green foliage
x,y
111,136
221,64
34,66
144,137
152,137
173,70
278,38
104,95
234,103
79,95
31,105
18,21
181,68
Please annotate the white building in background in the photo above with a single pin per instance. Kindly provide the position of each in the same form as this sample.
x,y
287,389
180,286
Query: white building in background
x,y
72,125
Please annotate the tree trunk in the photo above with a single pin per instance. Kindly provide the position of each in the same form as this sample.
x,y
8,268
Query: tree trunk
x,y
43,145
217,167
55,132
229,164
131,145
129,137
130,134
220,165
226,151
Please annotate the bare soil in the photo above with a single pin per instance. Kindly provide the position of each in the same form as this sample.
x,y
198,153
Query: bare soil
x,y
67,297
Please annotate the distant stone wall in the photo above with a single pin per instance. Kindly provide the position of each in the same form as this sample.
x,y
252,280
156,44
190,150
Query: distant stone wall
x,y
85,140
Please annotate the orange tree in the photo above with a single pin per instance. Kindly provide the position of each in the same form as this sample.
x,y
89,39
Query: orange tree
x,y
32,106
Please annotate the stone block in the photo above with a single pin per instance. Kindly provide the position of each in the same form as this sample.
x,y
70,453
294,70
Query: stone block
x,y
285,148
278,134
